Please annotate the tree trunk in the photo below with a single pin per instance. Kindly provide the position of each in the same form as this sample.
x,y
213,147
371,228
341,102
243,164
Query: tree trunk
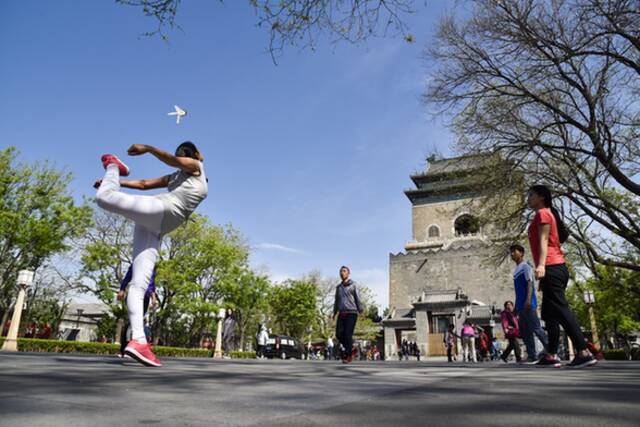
x,y
5,317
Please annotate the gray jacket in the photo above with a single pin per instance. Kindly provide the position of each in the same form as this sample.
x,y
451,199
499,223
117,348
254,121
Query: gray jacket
x,y
229,329
347,298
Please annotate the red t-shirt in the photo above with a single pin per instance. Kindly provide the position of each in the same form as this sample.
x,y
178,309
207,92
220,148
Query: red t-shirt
x,y
554,251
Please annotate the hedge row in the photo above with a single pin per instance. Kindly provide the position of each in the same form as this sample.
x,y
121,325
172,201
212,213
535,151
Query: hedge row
x,y
58,346
243,354
162,351
616,354
619,354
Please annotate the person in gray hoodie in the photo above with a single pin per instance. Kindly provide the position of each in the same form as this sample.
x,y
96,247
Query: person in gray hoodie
x,y
346,306
229,333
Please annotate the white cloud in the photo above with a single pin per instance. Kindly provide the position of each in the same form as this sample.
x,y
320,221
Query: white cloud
x,y
276,247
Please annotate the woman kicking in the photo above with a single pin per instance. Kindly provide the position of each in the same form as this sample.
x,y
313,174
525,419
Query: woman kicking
x,y
154,216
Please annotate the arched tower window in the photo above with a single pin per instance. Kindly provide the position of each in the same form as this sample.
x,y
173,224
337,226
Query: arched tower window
x,y
466,224
433,232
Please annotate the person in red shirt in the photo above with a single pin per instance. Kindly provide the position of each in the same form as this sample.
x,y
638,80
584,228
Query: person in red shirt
x,y
546,233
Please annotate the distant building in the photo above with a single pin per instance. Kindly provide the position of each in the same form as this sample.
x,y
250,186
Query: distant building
x,y
446,272
80,321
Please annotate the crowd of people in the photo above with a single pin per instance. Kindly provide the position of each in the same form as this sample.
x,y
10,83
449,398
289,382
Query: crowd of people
x,y
520,320
155,216
408,349
34,330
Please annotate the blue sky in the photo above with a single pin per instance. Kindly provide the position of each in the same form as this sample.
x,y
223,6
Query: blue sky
x,y
308,159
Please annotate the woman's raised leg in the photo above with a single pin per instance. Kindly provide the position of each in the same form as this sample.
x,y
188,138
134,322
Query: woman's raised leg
x,y
143,210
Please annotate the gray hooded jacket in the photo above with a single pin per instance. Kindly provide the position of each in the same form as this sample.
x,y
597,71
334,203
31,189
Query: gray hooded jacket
x,y
347,298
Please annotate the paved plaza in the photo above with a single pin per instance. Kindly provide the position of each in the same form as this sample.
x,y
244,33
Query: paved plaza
x,y
80,390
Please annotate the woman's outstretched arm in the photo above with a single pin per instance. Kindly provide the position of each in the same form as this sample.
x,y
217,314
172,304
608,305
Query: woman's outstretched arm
x,y
187,164
141,184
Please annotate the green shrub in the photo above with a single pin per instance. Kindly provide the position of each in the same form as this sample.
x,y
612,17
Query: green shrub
x,y
616,354
181,352
58,346
243,354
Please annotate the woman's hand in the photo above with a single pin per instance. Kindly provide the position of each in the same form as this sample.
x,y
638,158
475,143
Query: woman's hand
x,y
120,295
138,149
97,184
540,271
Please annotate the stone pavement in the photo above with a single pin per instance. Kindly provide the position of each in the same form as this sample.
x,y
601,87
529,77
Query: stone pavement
x,y
80,390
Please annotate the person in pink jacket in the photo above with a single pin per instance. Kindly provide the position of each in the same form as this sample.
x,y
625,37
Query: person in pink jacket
x,y
511,332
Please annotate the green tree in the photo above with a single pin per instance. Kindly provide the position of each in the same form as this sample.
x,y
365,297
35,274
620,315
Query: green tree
x,y
247,294
617,301
38,219
201,264
48,297
324,327
105,256
107,327
293,308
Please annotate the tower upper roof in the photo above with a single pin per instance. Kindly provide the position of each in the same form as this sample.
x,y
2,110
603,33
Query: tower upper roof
x,y
445,179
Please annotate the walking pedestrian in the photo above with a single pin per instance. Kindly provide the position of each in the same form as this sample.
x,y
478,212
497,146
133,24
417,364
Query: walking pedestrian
x,y
450,341
229,333
153,216
405,349
483,345
546,233
261,340
468,335
346,307
495,348
511,332
526,304
330,348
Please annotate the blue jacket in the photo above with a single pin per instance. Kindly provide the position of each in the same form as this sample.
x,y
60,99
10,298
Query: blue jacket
x,y
150,289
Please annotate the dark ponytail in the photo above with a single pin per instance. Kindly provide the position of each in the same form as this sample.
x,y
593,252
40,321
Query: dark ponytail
x,y
545,193
188,149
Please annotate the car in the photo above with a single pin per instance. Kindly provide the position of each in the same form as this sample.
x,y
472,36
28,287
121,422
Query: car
x,y
282,347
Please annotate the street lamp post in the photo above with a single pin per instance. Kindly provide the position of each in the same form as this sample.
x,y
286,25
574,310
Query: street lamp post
x,y
25,277
217,353
590,299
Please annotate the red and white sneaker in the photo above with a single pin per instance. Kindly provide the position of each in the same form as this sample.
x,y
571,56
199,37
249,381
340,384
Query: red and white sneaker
x,y
142,353
109,159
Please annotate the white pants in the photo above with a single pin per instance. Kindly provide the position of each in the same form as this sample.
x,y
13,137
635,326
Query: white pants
x,y
468,348
146,212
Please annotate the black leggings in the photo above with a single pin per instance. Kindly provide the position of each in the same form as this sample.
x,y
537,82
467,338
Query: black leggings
x,y
556,311
344,331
